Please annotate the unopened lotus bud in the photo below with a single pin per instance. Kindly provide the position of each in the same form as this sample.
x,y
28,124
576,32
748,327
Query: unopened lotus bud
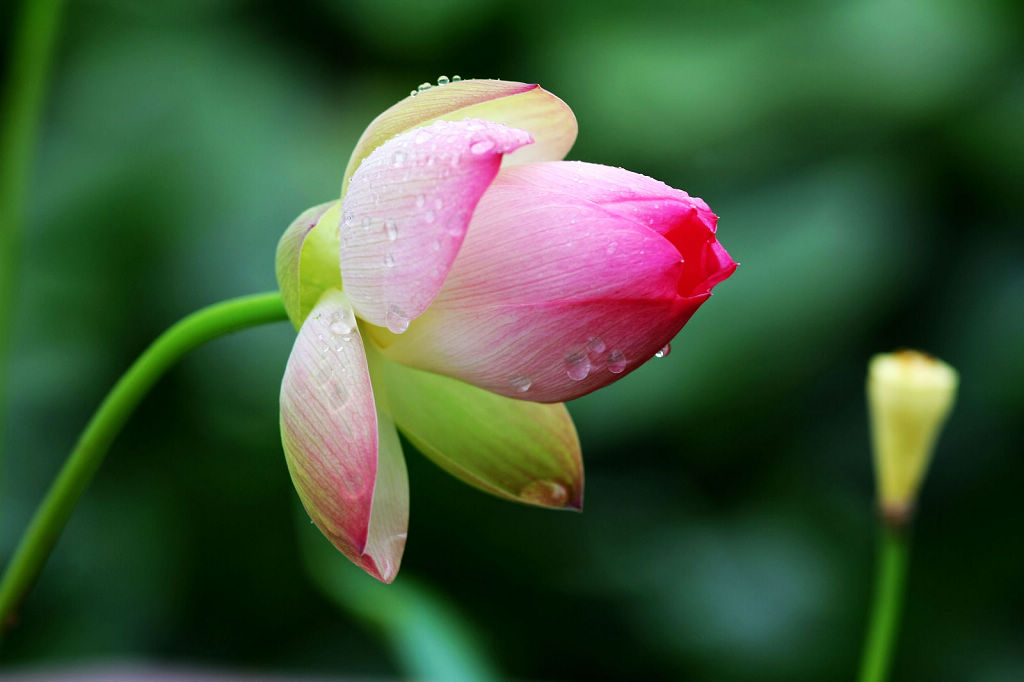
x,y
910,394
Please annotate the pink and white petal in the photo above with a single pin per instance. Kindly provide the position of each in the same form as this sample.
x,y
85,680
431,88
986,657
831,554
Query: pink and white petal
x,y
518,105
623,192
559,350
525,247
685,221
564,293
518,450
407,211
306,262
389,517
329,430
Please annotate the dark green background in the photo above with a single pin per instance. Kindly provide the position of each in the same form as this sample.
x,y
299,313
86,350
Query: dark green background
x,y
866,159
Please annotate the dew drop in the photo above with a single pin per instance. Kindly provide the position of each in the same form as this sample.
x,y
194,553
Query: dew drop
x,y
665,350
421,137
442,80
545,493
610,249
424,86
481,147
342,325
396,320
577,365
389,260
520,383
366,223
398,159
439,203
616,362
596,344
391,228
456,79
428,217
420,200
436,244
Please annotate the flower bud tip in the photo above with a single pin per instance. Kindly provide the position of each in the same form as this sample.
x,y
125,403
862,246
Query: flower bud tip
x,y
910,394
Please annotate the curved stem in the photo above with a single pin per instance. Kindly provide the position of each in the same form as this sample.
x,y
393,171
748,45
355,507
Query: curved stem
x,y
193,331
890,578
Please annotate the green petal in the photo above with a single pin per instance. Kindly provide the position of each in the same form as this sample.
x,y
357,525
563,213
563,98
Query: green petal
x,y
518,105
515,449
308,259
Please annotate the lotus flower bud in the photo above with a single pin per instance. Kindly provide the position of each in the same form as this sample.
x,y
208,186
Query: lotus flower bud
x,y
910,394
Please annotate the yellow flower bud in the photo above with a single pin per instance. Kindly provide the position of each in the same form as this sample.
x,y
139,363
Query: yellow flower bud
x,y
910,395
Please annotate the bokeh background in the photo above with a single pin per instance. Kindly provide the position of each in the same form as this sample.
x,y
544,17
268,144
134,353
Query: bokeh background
x,y
866,159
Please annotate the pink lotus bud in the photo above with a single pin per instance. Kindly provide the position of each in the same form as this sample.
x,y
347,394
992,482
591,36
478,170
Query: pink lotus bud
x,y
571,276
469,250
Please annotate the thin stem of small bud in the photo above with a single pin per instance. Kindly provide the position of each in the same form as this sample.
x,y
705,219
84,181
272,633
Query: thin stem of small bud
x,y
890,579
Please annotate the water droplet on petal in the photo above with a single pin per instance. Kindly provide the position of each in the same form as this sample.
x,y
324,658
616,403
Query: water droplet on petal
x,y
481,147
545,493
610,249
428,217
596,344
341,328
424,86
391,228
520,383
439,203
456,79
412,93
616,362
436,244
442,80
420,200
577,365
396,320
665,350
389,260
366,223
398,158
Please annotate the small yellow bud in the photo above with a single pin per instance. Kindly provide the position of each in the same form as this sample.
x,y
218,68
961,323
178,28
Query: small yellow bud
x,y
910,395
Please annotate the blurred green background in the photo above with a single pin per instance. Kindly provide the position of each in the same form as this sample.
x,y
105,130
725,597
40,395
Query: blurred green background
x,y
866,159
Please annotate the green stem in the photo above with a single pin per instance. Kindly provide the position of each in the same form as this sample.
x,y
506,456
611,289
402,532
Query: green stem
x,y
890,578
191,332
31,52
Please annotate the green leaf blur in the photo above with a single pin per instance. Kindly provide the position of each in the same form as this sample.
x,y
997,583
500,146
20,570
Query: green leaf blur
x,y
865,159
